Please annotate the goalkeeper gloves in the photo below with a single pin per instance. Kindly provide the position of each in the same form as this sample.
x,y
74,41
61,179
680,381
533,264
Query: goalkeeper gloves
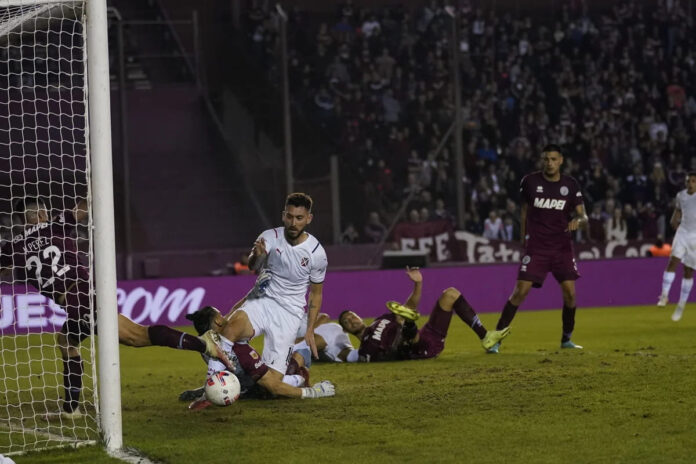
x,y
319,390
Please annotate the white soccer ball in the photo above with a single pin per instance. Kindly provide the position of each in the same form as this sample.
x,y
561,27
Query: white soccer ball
x,y
222,388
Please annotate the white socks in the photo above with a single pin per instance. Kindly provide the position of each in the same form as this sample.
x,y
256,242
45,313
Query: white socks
x,y
685,290
667,279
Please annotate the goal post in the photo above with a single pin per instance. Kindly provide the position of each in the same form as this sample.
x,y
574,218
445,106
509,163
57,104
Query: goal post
x,y
103,216
55,145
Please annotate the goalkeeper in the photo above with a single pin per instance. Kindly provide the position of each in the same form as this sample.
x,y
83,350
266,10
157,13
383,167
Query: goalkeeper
x,y
44,253
395,336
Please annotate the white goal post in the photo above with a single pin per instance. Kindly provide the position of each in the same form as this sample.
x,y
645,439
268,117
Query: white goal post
x,y
55,145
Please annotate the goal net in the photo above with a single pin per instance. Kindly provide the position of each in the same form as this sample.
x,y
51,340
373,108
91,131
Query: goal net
x,y
44,159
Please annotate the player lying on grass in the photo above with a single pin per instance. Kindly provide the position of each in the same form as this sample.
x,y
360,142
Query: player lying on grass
x,y
395,336
333,344
44,253
250,370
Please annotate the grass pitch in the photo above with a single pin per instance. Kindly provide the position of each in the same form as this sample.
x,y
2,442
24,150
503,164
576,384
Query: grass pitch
x,y
628,397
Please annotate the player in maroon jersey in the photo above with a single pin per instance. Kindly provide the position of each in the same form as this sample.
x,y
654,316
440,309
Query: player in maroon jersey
x,y
394,336
552,208
45,255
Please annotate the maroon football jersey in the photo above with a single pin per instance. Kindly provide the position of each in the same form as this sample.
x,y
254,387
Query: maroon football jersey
x,y
46,256
381,339
550,207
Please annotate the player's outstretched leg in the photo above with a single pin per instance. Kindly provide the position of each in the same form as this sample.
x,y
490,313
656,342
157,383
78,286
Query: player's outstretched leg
x,y
72,376
132,334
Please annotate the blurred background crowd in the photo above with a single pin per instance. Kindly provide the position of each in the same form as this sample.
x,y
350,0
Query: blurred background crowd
x,y
615,88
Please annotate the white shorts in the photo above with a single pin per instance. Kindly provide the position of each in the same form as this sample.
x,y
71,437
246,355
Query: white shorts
x,y
278,325
336,340
684,248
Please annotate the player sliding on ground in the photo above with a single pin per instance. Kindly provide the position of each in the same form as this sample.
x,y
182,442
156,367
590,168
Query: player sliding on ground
x,y
251,372
294,261
552,210
45,255
395,336
683,246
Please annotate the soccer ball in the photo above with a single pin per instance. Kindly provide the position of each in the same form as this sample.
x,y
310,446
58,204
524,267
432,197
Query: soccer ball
x,y
222,388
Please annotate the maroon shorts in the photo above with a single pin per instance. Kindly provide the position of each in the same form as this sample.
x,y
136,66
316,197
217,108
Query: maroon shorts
x,y
431,337
78,308
534,267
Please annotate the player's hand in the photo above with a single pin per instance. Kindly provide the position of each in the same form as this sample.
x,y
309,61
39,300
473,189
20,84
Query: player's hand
x,y
259,248
309,338
573,224
414,274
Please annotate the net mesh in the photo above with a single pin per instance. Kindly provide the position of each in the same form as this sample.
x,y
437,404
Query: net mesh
x,y
46,241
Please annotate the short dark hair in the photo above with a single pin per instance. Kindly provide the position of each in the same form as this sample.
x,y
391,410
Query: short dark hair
x,y
23,204
690,173
201,319
552,147
299,199
340,316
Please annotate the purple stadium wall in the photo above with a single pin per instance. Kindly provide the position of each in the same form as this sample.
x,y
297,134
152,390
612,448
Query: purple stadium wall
x,y
604,283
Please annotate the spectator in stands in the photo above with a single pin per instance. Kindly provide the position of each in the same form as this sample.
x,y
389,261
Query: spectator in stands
x,y
492,226
349,235
374,230
596,224
589,79
616,226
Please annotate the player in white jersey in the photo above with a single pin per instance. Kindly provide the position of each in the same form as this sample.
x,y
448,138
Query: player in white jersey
x,y
683,246
333,344
295,261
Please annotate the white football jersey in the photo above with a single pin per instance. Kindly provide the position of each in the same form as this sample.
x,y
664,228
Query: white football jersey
x,y
687,204
336,339
292,268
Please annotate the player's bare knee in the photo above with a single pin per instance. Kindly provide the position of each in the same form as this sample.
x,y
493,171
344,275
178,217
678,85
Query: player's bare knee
x,y
448,297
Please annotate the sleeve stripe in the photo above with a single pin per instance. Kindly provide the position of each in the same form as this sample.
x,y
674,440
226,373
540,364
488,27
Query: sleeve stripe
x,y
315,248
315,283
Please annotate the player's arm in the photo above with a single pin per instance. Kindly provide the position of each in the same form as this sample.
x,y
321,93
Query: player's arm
x,y
314,304
274,384
417,278
523,223
349,355
258,254
322,318
675,220
580,218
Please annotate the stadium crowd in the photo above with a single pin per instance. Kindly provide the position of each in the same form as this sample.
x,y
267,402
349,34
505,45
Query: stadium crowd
x,y
613,87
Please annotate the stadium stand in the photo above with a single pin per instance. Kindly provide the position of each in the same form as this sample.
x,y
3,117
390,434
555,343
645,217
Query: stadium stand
x,y
614,86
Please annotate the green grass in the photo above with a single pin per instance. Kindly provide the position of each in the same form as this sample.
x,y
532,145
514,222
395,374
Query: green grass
x,y
628,397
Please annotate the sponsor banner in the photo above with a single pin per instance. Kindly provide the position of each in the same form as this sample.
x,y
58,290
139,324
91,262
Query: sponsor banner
x,y
614,282
444,244
147,302
437,237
